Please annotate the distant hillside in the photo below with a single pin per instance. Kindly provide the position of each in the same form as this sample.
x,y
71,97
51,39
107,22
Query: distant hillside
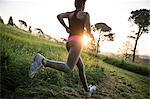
x,y
17,51
144,59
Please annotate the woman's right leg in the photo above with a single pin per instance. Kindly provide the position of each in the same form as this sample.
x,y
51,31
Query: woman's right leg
x,y
73,57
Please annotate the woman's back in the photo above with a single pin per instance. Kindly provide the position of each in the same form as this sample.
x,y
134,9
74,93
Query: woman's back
x,y
76,24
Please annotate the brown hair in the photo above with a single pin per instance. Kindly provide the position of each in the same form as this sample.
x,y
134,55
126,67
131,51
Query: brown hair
x,y
79,3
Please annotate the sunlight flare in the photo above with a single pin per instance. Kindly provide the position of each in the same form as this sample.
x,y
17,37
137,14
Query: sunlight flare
x,y
86,40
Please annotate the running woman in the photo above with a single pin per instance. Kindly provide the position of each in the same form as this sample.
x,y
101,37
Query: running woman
x,y
79,21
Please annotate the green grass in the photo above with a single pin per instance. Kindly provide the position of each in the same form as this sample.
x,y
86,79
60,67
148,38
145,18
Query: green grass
x,y
17,51
134,67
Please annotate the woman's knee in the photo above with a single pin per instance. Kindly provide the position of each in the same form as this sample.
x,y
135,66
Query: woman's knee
x,y
69,70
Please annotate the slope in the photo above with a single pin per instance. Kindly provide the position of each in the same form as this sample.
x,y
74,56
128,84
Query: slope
x,y
17,51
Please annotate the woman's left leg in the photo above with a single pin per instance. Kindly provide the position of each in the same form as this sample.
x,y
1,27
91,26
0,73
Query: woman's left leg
x,y
81,68
82,75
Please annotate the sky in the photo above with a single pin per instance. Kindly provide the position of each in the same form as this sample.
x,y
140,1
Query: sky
x,y
115,13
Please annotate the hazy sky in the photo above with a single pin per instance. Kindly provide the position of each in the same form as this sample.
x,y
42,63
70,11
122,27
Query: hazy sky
x,y
42,14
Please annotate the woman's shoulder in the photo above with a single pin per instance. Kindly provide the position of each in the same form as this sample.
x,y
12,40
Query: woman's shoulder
x,y
71,13
82,14
86,13
79,14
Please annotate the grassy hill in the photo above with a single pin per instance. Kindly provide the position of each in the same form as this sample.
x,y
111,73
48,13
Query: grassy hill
x,y
17,51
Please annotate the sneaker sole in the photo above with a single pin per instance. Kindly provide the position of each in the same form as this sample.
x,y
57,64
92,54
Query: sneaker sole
x,y
31,72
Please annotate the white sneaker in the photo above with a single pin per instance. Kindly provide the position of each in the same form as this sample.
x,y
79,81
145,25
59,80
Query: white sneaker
x,y
36,65
92,88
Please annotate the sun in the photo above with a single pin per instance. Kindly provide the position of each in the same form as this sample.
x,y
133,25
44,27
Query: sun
x,y
85,40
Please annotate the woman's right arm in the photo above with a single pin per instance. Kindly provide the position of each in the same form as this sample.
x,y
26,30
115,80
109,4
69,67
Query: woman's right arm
x,y
88,25
60,18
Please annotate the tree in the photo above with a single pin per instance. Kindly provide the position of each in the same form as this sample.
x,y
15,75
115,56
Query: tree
x,y
104,33
126,49
40,33
1,20
29,30
39,30
142,19
10,21
91,46
22,23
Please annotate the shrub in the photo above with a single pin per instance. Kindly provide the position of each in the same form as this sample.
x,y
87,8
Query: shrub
x,y
136,68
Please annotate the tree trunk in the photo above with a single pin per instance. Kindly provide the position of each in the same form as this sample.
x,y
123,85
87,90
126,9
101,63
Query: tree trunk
x,y
126,55
98,41
98,46
133,59
136,41
20,25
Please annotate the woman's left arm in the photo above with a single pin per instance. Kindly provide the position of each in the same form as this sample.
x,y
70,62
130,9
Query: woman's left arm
x,y
60,18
